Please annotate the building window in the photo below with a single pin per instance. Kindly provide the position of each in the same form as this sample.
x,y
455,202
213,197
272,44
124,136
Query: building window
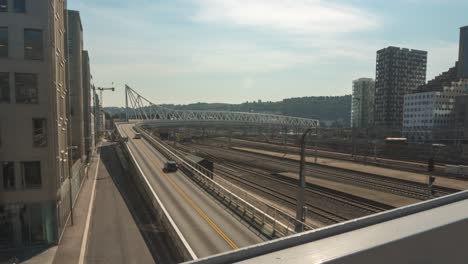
x,y
3,5
7,218
32,224
19,6
31,174
4,87
3,42
26,88
8,172
39,132
33,46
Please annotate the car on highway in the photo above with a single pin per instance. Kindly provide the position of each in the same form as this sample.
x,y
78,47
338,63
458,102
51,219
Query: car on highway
x,y
170,166
137,136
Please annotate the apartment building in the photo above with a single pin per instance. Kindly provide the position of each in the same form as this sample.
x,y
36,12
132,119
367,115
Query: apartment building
x,y
399,71
362,103
33,122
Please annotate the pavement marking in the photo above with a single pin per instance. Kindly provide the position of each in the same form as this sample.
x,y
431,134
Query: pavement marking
x,y
84,242
200,212
163,208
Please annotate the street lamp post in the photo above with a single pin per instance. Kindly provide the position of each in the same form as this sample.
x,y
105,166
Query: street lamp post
x,y
70,158
300,210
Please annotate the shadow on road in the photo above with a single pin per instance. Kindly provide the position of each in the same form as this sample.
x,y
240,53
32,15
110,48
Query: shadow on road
x,y
157,240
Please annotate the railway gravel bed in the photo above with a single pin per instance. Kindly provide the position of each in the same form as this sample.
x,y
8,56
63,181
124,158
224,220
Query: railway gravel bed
x,y
325,205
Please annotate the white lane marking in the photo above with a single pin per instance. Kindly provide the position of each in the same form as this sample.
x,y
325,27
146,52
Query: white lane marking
x,y
84,242
163,208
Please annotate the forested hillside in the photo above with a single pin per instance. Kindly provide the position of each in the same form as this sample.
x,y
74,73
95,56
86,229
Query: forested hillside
x,y
330,110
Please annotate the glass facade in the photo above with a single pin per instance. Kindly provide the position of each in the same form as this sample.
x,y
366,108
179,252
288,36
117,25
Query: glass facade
x,y
27,224
31,174
3,5
33,44
8,175
19,6
39,132
26,88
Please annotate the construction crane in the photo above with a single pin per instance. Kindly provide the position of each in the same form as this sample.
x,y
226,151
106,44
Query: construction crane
x,y
101,90
101,103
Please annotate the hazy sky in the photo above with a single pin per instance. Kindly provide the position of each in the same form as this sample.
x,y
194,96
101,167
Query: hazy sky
x,y
183,51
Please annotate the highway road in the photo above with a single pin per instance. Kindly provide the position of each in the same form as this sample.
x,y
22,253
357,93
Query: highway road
x,y
208,226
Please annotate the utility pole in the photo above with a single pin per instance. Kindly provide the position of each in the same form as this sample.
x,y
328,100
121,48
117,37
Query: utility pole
x,y
70,195
315,144
300,210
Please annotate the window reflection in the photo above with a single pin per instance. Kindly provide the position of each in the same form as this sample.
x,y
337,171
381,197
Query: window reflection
x,y
19,6
33,48
39,132
3,42
7,217
4,87
31,174
3,5
26,88
8,172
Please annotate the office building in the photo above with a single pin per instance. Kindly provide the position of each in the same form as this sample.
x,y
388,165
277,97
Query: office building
x,y
399,71
431,116
463,54
362,104
461,114
89,141
75,64
34,198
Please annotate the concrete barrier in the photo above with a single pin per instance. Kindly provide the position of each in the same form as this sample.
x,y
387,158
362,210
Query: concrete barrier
x,y
263,222
181,245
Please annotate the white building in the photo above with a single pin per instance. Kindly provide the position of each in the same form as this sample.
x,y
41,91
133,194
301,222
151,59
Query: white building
x,y
429,116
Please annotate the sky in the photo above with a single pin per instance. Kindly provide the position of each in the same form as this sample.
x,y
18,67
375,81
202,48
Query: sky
x,y
232,51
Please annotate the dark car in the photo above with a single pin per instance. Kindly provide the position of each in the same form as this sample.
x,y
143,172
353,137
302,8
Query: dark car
x,y
170,166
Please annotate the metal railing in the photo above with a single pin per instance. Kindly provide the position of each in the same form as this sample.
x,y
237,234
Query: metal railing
x,y
181,244
270,226
138,107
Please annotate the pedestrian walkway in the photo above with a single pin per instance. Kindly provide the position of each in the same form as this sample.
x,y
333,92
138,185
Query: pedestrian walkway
x,y
364,168
69,248
114,233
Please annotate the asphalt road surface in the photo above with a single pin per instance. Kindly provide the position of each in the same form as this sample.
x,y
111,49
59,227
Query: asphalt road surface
x,y
208,227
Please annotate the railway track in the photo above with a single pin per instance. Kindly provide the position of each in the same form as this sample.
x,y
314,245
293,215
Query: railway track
x,y
367,180
327,206
284,199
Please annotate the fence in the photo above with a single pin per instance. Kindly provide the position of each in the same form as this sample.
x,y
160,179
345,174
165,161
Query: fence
x,y
270,226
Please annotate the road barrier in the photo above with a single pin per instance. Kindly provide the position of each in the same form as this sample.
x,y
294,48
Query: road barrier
x,y
181,244
266,224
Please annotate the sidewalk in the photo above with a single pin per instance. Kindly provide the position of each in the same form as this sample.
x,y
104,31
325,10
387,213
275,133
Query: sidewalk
x,y
69,248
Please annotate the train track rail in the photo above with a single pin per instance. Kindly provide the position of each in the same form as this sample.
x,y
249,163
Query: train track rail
x,y
381,183
327,206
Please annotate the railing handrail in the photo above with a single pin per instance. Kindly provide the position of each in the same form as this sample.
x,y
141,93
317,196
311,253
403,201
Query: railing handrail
x,y
218,185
